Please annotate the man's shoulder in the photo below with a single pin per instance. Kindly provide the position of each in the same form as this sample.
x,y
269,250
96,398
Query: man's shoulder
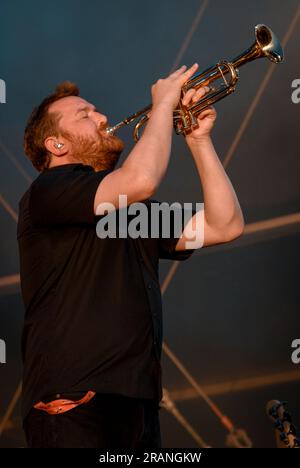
x,y
24,198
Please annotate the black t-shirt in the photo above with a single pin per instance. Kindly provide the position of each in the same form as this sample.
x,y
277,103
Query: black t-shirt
x,y
93,316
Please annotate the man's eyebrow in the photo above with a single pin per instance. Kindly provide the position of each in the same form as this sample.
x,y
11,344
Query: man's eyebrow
x,y
86,108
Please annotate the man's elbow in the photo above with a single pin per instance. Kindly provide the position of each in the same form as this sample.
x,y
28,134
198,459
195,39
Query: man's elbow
x,y
140,184
234,230
147,186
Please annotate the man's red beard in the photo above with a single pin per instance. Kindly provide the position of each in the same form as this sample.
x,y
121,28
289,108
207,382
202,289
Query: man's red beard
x,y
101,154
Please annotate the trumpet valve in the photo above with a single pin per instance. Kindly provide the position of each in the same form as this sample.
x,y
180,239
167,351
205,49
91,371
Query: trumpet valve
x,y
193,120
185,121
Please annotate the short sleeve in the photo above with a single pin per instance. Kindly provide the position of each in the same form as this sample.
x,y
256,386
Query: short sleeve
x,y
167,245
63,197
167,250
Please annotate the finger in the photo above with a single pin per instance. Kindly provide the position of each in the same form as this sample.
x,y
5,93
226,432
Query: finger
x,y
188,73
194,95
201,92
208,112
188,96
178,71
192,68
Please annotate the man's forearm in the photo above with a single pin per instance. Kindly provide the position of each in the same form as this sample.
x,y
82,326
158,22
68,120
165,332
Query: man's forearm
x,y
221,206
152,152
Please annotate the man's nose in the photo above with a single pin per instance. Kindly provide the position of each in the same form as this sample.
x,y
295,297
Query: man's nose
x,y
101,120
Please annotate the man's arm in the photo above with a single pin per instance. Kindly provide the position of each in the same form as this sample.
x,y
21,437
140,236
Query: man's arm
x,y
144,168
222,218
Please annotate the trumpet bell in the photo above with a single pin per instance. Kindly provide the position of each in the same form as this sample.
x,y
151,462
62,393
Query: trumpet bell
x,y
268,42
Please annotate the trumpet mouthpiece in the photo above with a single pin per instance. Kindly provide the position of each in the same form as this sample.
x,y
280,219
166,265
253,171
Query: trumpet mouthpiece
x,y
109,130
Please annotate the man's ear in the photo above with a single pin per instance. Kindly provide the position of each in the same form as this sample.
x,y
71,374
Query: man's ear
x,y
56,146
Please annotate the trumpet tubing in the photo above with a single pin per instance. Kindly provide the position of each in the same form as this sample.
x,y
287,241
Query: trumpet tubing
x,y
266,45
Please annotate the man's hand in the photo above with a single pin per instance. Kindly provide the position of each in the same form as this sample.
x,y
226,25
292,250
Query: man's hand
x,y
167,91
205,120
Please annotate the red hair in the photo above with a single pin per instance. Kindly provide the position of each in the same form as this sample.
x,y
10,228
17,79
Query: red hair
x,y
42,124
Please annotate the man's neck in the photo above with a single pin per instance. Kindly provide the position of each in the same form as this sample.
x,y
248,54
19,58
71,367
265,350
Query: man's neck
x,y
55,162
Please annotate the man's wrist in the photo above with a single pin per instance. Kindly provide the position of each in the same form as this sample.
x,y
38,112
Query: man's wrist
x,y
204,141
163,106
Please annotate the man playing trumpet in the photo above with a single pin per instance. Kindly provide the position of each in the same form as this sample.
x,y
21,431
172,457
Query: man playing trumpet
x,y
92,335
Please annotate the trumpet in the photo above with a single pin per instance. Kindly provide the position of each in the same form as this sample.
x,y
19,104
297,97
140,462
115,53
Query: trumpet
x,y
266,45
